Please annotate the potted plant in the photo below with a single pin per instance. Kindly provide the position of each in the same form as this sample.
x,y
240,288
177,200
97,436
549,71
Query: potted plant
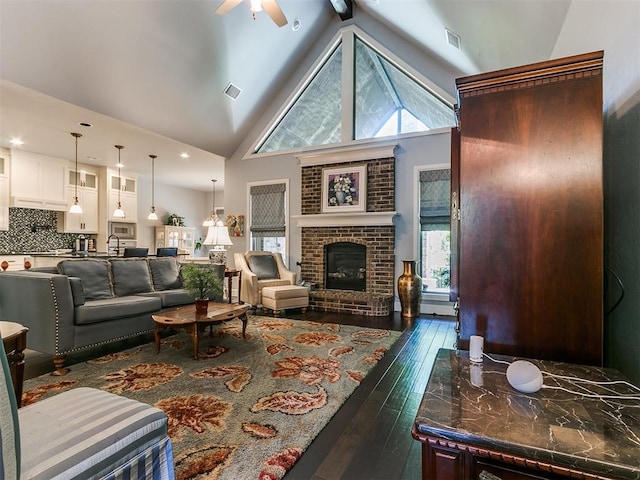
x,y
200,281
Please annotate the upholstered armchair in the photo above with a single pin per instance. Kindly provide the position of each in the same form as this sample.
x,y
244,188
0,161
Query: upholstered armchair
x,y
259,270
82,433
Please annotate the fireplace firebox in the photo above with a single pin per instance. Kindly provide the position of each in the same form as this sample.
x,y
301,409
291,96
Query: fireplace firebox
x,y
345,266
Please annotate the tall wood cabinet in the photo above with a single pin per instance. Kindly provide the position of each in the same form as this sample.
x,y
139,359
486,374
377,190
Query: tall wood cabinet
x,y
528,221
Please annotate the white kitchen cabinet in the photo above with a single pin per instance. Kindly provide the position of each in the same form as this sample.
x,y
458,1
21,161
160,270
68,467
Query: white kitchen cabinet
x,y
182,238
37,181
4,193
126,188
87,221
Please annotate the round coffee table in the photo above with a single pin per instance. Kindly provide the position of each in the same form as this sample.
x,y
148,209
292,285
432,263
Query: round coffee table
x,y
193,323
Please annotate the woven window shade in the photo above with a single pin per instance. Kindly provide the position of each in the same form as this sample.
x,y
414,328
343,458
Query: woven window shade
x,y
267,210
435,190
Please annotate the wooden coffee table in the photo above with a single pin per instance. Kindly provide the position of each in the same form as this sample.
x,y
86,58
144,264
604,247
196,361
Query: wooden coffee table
x,y
193,323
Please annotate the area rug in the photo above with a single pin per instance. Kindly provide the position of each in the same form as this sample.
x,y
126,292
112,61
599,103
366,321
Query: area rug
x,y
248,408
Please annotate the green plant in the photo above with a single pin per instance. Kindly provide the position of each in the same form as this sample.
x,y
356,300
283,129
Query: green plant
x,y
175,220
201,280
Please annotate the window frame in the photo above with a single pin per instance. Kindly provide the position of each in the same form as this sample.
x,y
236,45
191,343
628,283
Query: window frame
x,y
287,219
346,37
417,248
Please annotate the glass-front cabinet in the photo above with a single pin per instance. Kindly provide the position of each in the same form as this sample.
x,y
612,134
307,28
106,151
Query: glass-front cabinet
x,y
182,238
85,182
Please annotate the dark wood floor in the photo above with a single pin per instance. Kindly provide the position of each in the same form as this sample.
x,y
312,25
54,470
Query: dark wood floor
x,y
370,436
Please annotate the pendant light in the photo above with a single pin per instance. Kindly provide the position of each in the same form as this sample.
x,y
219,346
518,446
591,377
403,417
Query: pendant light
x,y
212,219
152,213
118,212
76,208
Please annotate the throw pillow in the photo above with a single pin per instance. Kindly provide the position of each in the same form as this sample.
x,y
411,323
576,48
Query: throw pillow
x,y
165,273
130,276
264,266
93,273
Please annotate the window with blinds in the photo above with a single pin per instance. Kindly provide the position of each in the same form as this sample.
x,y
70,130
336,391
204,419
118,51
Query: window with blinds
x,y
268,220
435,230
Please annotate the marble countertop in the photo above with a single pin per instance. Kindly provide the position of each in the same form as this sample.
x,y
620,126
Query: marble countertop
x,y
475,405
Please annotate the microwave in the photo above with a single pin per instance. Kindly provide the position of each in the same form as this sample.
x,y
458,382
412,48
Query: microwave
x,y
124,231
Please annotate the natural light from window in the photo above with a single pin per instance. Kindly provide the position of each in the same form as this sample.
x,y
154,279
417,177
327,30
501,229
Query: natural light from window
x,y
386,101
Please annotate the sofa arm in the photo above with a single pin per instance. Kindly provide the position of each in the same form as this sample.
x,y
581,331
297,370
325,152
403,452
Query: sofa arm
x,y
43,303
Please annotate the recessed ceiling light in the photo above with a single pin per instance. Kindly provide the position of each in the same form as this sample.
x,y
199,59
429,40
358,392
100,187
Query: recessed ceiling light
x,y
184,155
85,124
16,142
295,26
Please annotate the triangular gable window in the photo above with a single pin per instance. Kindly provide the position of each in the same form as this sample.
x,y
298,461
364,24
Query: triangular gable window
x,y
385,101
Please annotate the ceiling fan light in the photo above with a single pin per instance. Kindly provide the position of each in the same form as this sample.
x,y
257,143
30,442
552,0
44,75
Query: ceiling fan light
x,y
256,6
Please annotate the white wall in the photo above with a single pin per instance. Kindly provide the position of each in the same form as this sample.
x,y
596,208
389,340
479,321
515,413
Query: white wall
x,y
191,204
612,26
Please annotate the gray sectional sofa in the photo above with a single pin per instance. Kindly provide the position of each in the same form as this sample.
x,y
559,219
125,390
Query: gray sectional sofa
x,y
89,302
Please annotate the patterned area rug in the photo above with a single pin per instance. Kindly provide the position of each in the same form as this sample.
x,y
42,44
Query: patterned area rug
x,y
247,408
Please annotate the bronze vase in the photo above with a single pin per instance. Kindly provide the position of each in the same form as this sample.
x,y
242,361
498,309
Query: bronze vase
x,y
410,290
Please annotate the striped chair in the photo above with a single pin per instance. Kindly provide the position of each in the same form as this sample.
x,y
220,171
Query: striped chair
x,y
81,434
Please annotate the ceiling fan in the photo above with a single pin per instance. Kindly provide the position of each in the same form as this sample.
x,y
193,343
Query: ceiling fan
x,y
270,6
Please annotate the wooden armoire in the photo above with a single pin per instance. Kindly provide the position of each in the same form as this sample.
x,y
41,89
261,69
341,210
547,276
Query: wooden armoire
x,y
527,210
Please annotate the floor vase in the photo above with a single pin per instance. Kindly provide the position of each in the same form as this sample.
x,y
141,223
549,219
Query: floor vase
x,y
410,290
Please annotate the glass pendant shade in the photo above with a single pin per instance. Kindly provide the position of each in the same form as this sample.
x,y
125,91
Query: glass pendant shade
x,y
118,212
152,211
211,220
76,208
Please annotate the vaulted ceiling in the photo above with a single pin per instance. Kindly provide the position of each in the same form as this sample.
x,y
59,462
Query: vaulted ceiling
x,y
151,74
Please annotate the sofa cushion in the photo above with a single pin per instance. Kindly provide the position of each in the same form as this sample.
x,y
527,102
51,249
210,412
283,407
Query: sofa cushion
x,y
171,298
97,311
130,276
264,266
93,273
77,291
165,273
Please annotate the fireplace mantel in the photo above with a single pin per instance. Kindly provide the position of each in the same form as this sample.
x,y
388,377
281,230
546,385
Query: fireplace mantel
x,y
348,219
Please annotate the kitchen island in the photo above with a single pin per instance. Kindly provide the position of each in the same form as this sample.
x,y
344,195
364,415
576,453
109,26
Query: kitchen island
x,y
473,424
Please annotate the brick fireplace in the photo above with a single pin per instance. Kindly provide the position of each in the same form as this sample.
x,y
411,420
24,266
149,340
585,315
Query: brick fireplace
x,y
372,228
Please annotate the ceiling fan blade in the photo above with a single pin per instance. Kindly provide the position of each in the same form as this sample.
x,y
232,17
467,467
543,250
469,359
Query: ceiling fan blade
x,y
273,10
226,6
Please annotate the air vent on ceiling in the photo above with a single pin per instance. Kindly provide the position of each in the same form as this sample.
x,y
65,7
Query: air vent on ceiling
x,y
452,39
232,91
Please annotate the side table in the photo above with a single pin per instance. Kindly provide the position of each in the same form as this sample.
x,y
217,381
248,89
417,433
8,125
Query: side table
x,y
229,273
14,338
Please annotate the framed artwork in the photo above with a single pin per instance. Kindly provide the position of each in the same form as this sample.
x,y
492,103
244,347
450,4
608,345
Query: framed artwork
x,y
235,224
344,189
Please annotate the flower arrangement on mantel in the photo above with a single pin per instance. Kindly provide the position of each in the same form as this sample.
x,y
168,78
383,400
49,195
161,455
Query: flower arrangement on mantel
x,y
342,190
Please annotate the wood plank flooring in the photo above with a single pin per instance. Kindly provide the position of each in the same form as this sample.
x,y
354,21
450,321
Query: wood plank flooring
x,y
370,436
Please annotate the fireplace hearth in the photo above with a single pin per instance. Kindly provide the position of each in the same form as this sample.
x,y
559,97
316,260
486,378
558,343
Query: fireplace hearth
x,y
345,266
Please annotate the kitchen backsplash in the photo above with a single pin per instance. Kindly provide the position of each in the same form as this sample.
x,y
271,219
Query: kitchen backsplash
x,y
32,230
